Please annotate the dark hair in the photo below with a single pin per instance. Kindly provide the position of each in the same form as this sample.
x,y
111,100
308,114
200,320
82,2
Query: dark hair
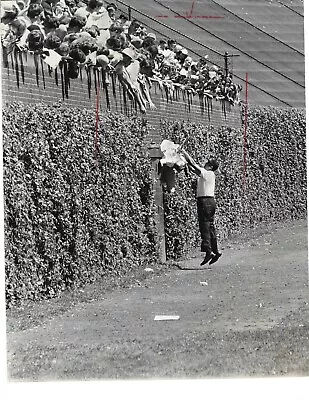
x,y
103,51
147,67
78,55
35,36
73,69
112,5
153,50
9,15
77,22
213,163
114,43
70,3
95,3
63,49
20,26
51,22
93,30
134,25
87,45
116,28
34,10
52,41
148,41
35,40
122,16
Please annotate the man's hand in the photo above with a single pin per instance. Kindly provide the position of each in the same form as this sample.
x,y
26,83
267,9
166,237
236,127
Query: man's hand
x,y
185,154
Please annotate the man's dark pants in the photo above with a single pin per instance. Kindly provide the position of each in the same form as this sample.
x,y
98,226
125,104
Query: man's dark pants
x,y
206,208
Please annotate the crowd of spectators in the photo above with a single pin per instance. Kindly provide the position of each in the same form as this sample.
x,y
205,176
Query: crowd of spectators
x,y
91,33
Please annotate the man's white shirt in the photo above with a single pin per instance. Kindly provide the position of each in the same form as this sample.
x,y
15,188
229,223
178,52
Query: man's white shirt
x,y
206,183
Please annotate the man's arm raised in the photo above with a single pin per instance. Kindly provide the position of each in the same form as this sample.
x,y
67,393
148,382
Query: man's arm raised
x,y
195,167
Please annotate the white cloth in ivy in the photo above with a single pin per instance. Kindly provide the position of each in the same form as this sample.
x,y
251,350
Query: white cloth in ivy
x,y
171,157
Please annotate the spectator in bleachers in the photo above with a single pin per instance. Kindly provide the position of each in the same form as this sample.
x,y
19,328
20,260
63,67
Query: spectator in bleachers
x,y
124,22
128,76
34,15
61,31
93,31
114,44
162,46
16,30
87,32
136,29
71,6
97,15
55,9
35,40
91,7
76,24
21,5
50,25
171,44
117,31
52,41
111,9
181,54
136,42
9,11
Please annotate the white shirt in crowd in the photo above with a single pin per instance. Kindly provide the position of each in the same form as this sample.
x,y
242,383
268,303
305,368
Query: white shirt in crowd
x,y
206,183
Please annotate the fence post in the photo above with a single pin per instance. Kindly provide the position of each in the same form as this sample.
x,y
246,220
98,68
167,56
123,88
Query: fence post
x,y
155,155
226,66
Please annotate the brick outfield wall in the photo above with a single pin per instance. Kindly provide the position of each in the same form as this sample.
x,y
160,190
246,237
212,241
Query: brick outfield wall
x,y
22,83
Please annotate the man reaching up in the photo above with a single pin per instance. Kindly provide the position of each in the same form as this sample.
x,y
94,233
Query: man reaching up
x,y
206,206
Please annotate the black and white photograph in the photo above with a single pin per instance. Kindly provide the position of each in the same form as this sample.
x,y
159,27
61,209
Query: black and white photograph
x,y
154,198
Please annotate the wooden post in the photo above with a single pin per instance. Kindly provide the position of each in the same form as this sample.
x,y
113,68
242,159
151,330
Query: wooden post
x,y
155,155
226,66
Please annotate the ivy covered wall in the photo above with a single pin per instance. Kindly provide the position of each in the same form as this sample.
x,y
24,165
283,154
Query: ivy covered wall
x,y
269,184
77,207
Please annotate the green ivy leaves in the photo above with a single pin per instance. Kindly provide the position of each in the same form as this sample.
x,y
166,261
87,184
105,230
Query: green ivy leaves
x,y
72,215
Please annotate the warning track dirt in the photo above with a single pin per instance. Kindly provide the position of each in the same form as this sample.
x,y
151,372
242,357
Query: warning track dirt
x,y
246,316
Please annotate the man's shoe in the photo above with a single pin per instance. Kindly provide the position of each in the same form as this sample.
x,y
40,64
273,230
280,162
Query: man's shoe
x,y
206,259
215,258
